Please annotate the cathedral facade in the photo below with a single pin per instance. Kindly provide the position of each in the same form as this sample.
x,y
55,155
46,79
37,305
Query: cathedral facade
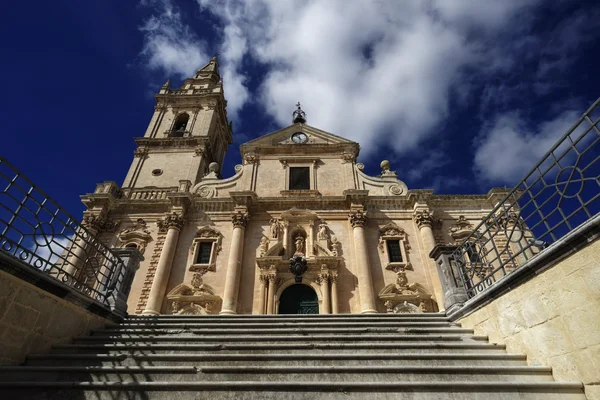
x,y
297,227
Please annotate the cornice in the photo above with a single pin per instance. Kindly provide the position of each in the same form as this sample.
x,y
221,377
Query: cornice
x,y
189,141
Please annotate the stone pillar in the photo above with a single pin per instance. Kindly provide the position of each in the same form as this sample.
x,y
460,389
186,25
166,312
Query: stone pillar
x,y
324,282
261,293
121,281
424,220
365,283
335,308
454,291
234,265
172,224
271,293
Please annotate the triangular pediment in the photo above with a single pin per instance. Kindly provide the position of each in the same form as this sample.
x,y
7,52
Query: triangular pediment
x,y
284,137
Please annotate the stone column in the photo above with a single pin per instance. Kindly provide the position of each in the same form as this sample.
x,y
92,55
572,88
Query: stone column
x,y
172,224
454,291
234,265
261,293
365,283
324,282
424,220
271,293
335,309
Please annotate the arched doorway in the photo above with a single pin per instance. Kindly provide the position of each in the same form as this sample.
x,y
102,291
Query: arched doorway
x,y
299,299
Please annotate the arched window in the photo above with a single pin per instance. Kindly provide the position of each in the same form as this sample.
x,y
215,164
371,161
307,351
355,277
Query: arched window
x,y
180,125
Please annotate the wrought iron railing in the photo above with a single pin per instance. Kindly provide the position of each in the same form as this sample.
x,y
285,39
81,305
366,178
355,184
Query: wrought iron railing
x,y
36,231
560,193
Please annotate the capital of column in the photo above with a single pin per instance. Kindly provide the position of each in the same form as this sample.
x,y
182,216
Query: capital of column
x,y
423,218
239,220
323,278
333,277
358,219
263,278
173,221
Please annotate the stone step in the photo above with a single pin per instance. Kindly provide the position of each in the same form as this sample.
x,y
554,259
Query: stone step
x,y
292,348
318,390
288,316
271,331
396,327
277,338
271,320
278,373
302,359
85,373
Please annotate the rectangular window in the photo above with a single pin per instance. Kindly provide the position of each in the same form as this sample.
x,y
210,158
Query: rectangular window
x,y
394,251
299,178
204,250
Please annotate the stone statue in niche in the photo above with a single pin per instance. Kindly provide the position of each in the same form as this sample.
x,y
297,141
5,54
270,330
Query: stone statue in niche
x,y
264,246
322,234
275,227
299,241
335,246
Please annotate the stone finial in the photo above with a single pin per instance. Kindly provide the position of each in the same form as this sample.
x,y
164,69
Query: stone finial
x,y
385,168
213,171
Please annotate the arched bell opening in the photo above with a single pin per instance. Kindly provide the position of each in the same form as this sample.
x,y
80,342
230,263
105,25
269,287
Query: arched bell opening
x,y
298,299
180,125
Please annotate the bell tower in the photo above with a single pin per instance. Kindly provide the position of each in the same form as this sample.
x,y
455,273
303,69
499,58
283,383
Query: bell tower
x,y
188,131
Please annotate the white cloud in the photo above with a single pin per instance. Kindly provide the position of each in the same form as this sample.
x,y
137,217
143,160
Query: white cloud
x,y
169,44
50,248
511,147
376,72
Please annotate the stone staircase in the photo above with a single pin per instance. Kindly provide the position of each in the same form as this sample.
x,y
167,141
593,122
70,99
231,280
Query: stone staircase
x,y
382,356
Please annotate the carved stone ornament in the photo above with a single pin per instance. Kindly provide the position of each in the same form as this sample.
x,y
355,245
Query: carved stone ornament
x,y
199,299
392,230
336,246
140,153
239,220
275,228
138,234
298,267
423,218
299,241
264,246
173,221
98,223
460,230
323,233
348,157
402,296
251,158
358,218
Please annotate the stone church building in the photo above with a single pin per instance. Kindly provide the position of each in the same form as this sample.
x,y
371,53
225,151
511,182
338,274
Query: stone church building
x,y
298,227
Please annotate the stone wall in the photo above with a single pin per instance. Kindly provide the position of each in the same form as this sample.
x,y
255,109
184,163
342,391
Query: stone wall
x,y
32,320
554,318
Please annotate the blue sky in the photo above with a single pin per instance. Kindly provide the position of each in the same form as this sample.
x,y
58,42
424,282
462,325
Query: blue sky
x,y
461,95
